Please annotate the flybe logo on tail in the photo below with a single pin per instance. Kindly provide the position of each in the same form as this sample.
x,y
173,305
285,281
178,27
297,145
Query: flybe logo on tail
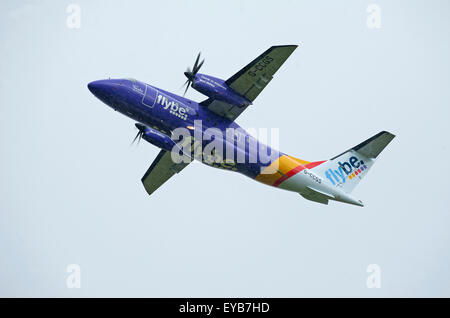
x,y
347,169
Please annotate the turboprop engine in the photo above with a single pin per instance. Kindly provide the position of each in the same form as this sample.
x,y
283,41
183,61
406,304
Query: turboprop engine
x,y
216,88
154,137
212,87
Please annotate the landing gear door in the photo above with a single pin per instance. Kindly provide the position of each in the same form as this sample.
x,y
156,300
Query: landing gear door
x,y
149,98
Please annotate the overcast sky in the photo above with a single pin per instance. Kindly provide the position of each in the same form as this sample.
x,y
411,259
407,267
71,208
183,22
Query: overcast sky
x,y
70,182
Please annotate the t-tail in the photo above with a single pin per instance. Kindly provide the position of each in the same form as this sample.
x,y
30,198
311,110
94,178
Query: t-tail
x,y
344,171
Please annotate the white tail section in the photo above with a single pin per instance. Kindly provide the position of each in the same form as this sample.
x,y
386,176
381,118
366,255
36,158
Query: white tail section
x,y
347,169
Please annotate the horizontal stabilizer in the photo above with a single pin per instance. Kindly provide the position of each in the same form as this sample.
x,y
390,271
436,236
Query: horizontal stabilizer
x,y
372,147
316,195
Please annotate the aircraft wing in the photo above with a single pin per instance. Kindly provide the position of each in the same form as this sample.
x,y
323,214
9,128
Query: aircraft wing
x,y
251,80
160,171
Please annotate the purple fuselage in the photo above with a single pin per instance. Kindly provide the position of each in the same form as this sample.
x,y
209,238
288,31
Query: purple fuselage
x,y
163,112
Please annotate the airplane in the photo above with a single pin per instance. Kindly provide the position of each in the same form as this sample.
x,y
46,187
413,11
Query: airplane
x,y
159,114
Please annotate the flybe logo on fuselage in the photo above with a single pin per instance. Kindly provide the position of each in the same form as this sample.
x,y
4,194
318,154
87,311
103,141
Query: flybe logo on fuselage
x,y
347,169
173,107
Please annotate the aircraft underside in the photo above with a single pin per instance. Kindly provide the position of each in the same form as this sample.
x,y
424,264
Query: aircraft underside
x,y
207,131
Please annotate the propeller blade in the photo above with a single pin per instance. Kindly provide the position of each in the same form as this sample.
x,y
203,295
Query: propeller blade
x,y
190,74
137,135
187,87
140,133
198,67
195,64
182,86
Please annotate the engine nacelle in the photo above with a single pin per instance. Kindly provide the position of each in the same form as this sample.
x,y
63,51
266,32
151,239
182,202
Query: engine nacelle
x,y
217,88
158,139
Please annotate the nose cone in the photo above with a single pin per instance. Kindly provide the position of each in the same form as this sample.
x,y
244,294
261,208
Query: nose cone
x,y
103,90
91,87
96,87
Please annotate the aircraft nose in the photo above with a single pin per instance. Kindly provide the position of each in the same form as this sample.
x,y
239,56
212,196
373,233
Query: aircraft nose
x,y
96,87
103,90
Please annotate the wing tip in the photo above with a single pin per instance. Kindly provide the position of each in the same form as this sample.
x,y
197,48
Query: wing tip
x,y
388,133
286,45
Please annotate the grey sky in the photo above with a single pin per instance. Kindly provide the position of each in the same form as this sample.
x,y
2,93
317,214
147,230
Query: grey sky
x,y
70,183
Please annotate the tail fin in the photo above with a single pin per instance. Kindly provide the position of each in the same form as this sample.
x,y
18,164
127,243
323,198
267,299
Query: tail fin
x,y
348,168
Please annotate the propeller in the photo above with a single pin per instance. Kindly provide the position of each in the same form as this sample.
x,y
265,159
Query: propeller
x,y
190,74
140,133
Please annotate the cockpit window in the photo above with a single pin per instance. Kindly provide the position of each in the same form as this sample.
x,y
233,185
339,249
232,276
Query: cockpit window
x,y
131,80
